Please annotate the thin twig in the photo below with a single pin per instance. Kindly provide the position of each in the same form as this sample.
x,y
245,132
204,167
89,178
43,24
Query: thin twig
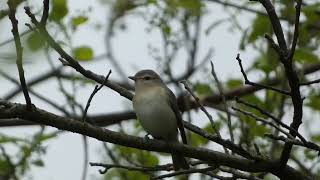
x,y
41,97
12,93
186,86
246,80
296,29
310,82
225,143
273,44
263,121
96,89
220,88
309,145
237,174
19,51
189,171
72,62
45,12
278,121
167,167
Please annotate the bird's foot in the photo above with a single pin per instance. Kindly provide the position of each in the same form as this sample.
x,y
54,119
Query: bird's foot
x,y
146,137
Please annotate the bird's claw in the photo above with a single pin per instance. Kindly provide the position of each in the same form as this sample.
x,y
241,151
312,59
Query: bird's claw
x,y
146,137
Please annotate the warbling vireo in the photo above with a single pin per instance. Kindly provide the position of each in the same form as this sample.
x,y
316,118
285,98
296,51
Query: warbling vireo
x,y
157,109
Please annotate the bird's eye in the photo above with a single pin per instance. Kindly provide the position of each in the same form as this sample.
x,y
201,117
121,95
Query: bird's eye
x,y
147,78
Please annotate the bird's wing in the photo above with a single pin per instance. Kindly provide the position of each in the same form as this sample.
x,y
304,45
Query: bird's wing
x,y
174,105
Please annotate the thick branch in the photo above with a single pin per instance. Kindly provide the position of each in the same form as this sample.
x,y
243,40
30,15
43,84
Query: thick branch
x,y
9,110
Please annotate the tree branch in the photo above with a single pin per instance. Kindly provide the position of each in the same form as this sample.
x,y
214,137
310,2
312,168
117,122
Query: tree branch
x,y
19,51
246,80
72,62
9,110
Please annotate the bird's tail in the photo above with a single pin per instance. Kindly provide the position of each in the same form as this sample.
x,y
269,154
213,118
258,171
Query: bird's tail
x,y
179,162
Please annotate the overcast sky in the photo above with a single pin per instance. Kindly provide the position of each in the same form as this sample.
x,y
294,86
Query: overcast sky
x,y
64,158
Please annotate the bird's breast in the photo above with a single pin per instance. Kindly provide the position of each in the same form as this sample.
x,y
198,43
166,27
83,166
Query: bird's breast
x,y
155,113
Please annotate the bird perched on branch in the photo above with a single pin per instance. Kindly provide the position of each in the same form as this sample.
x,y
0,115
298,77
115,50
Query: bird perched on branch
x,y
156,108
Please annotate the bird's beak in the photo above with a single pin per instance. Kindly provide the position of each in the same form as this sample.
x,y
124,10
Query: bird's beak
x,y
132,78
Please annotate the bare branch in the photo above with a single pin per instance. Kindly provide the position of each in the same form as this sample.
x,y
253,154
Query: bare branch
x,y
72,62
19,51
186,86
9,110
45,12
275,21
96,89
189,171
272,117
296,30
220,88
246,80
263,121
273,44
310,82
225,143
309,145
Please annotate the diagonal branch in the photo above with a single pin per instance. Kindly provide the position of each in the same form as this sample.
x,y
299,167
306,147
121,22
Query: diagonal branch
x,y
186,86
263,121
19,50
72,62
272,117
96,89
246,80
220,88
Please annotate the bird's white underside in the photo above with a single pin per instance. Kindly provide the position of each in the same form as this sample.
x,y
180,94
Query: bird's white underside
x,y
155,114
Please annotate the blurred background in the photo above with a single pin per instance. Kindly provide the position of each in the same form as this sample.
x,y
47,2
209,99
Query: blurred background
x,y
176,38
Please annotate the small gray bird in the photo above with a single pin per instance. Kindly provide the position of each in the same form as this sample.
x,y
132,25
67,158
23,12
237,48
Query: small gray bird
x,y
157,109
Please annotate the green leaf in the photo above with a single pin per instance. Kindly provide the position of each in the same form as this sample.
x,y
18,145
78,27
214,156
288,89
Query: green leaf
x,y
122,6
152,1
35,41
261,25
59,10
314,101
45,137
234,83
203,89
310,154
3,13
76,21
8,139
304,55
83,53
267,61
311,13
137,175
192,5
198,140
38,163
167,30
5,167
315,138
148,159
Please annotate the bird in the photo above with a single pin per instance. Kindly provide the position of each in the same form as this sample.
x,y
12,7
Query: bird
x,y
157,110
